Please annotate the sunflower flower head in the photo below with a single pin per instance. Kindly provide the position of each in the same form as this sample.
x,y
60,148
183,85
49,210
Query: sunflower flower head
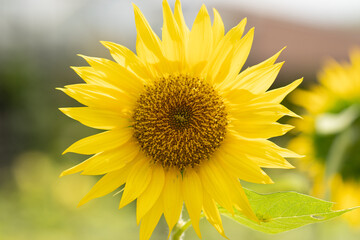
x,y
330,135
182,126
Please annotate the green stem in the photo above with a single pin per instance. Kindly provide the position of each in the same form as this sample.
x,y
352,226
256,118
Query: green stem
x,y
336,156
179,229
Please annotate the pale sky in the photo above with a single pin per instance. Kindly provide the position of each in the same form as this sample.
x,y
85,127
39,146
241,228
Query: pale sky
x,y
52,17
317,12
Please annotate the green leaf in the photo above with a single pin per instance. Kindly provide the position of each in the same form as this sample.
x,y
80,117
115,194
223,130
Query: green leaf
x,y
283,211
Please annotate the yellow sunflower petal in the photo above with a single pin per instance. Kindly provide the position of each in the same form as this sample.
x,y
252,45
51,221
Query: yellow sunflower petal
x,y
151,51
147,199
147,55
240,200
215,186
126,58
237,59
95,118
200,42
172,38
239,97
212,213
172,197
267,63
180,20
263,66
75,169
284,152
242,167
235,191
232,190
107,184
193,197
137,181
150,220
218,66
278,94
98,96
257,81
116,75
218,28
111,160
260,112
91,76
101,142
260,130
263,152
248,107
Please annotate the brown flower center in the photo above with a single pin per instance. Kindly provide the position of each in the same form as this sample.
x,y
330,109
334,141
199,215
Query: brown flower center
x,y
179,121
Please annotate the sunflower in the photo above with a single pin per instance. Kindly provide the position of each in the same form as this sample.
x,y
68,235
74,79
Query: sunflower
x,y
182,126
330,135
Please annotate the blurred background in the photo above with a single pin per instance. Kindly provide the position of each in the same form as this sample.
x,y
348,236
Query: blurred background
x,y
39,40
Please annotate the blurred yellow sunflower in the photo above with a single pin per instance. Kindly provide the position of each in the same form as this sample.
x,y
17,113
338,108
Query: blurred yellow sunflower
x,y
330,136
182,125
